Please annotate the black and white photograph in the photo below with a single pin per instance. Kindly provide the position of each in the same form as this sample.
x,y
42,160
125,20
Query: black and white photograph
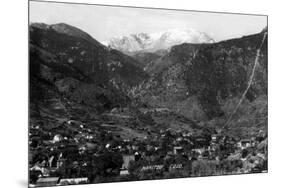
x,y
123,93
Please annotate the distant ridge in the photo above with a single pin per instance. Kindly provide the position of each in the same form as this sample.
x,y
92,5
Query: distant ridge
x,y
66,29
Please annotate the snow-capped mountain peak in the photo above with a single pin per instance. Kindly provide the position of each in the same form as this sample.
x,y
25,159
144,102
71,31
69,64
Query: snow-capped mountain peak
x,y
157,41
177,36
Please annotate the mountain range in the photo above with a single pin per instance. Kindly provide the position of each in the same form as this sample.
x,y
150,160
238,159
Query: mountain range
x,y
204,82
187,72
151,42
70,71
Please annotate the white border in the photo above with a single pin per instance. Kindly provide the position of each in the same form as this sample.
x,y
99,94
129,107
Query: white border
x,y
13,44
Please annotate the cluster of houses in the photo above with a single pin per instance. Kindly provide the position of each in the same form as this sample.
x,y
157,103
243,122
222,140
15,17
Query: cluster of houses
x,y
87,141
53,181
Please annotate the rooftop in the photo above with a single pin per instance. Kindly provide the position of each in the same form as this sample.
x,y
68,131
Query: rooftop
x,y
49,179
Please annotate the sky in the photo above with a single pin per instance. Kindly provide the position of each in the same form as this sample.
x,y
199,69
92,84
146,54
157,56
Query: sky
x,y
105,22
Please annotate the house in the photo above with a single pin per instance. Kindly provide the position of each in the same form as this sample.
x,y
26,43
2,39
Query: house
x,y
177,150
57,138
73,181
201,140
214,138
126,160
124,172
44,171
47,182
244,143
200,151
161,110
82,149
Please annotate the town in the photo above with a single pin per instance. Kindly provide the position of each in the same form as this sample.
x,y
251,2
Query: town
x,y
77,152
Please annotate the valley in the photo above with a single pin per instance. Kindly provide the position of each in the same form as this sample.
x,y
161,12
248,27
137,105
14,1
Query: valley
x,y
111,113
